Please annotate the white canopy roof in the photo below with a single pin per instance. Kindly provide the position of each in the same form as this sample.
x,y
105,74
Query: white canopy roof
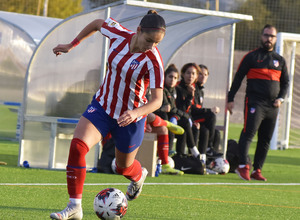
x,y
19,36
61,87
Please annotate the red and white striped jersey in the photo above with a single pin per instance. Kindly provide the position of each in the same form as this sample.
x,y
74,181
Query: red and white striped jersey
x,y
128,74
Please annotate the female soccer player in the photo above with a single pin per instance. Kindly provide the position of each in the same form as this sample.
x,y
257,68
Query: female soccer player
x,y
119,106
185,96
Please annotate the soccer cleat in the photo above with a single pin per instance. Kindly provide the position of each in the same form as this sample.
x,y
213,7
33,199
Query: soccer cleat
x,y
167,169
243,172
70,212
135,188
256,175
176,129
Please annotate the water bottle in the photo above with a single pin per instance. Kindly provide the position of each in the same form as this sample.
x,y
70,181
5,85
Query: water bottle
x,y
26,164
158,168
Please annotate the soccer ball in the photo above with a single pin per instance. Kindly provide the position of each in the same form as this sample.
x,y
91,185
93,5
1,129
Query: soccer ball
x,y
220,165
110,203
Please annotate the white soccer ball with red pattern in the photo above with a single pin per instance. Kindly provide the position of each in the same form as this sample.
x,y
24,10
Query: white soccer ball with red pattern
x,y
110,203
220,165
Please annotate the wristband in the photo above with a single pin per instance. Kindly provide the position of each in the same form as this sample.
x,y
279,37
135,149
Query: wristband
x,y
75,42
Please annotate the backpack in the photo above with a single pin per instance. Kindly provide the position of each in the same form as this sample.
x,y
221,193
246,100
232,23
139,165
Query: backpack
x,y
232,155
188,164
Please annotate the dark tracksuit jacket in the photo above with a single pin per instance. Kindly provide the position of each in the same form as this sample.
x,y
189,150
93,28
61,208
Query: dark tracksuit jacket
x,y
169,98
184,102
267,80
206,118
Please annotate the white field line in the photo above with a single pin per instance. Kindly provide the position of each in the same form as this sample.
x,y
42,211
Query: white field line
x,y
153,184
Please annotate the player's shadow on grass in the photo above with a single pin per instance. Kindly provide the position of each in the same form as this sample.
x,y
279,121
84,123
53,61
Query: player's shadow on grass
x,y
283,160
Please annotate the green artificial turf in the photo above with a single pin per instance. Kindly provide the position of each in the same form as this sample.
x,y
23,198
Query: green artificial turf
x,y
34,193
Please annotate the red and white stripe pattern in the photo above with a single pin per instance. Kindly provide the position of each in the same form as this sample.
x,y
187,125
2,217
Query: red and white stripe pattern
x,y
128,75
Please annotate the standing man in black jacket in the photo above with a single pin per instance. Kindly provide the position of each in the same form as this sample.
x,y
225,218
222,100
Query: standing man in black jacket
x,y
267,83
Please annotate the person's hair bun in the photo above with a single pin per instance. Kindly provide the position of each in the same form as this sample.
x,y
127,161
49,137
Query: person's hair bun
x,y
152,12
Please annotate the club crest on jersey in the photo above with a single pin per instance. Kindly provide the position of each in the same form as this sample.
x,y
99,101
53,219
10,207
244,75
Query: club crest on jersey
x,y
134,64
276,63
252,110
91,109
111,23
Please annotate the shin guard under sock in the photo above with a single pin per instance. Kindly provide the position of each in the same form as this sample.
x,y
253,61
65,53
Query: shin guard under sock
x,y
76,168
163,148
133,172
158,121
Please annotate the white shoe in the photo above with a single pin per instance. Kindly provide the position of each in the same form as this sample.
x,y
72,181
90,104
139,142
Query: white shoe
x,y
211,172
70,212
135,188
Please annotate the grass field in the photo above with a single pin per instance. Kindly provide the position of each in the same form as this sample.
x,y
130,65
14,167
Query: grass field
x,y
35,193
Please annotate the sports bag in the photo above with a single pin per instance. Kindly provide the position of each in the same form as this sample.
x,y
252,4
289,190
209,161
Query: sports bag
x,y
232,155
188,164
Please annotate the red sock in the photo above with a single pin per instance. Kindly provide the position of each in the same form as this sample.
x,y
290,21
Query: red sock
x,y
158,121
163,148
76,168
133,173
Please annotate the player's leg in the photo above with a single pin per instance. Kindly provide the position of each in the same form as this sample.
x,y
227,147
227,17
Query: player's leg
x,y
85,136
265,133
128,140
253,117
163,150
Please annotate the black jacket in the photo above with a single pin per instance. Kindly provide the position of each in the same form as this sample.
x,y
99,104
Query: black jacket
x,y
169,98
267,76
197,107
184,99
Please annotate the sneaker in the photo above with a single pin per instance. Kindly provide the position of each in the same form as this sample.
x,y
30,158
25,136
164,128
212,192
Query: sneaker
x,y
167,169
135,188
213,154
71,212
243,172
256,175
211,172
176,129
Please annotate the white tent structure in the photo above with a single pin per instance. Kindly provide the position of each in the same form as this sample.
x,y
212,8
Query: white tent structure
x,y
19,36
58,89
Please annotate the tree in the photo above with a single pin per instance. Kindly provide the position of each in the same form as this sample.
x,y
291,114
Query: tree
x,y
248,32
56,8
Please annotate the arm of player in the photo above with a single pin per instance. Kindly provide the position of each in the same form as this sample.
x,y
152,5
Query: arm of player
x,y
89,30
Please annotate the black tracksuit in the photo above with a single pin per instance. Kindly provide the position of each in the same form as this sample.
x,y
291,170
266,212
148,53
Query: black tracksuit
x,y
267,80
169,98
184,102
209,137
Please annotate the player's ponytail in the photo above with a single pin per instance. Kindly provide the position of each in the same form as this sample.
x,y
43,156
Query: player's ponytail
x,y
152,21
